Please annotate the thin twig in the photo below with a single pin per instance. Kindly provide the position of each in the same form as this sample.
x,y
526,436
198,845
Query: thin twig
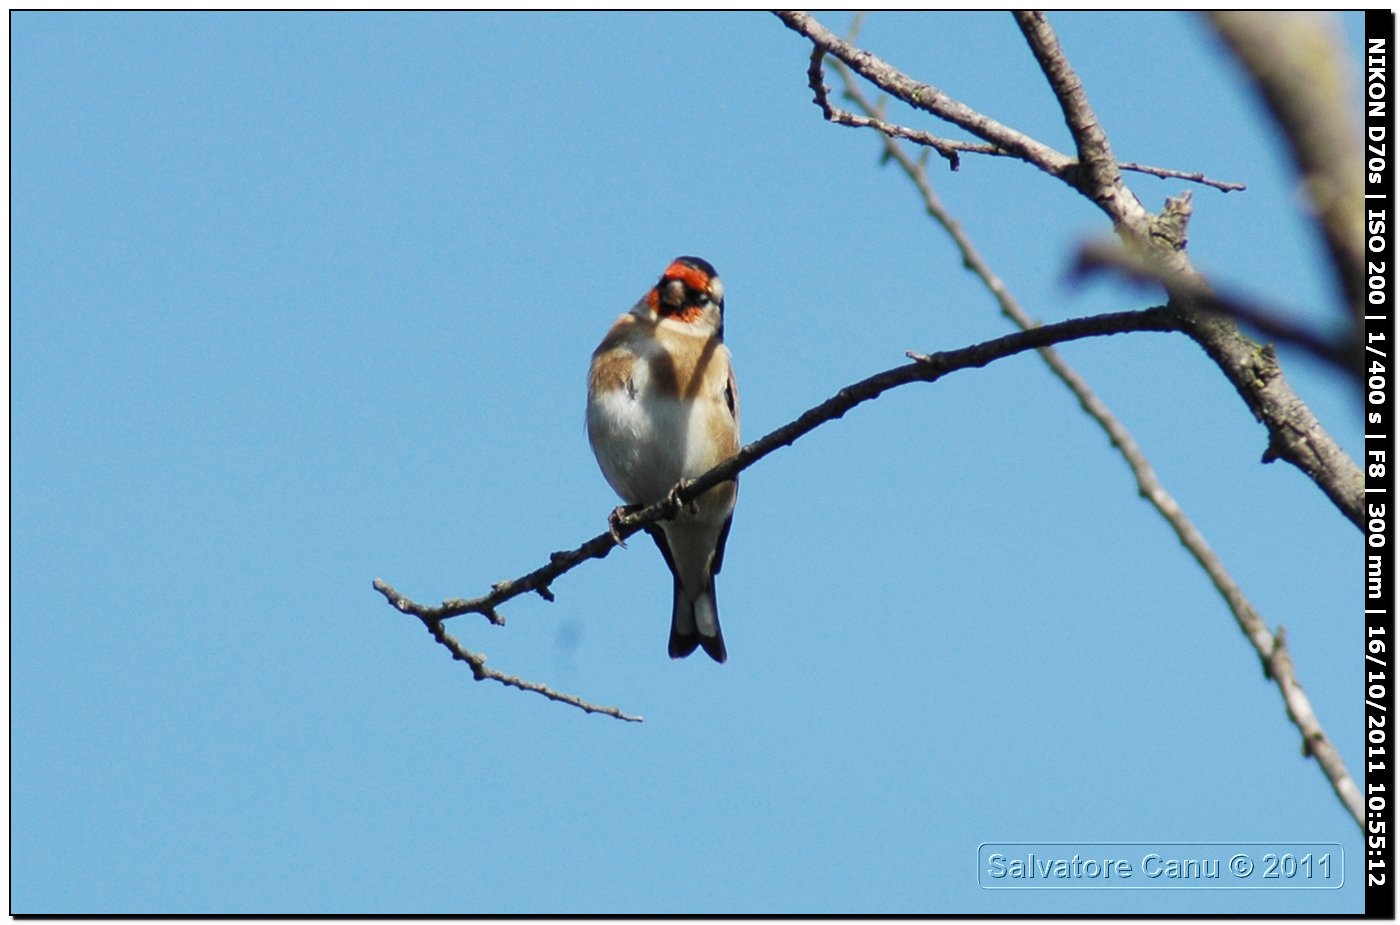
x,y
477,662
950,148
1225,186
947,147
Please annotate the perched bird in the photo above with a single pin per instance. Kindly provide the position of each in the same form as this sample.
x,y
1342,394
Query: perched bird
x,y
662,406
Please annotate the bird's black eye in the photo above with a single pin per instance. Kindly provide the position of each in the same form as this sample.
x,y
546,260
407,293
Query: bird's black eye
x,y
702,298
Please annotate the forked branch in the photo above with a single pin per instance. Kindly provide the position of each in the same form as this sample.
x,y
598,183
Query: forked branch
x,y
1294,433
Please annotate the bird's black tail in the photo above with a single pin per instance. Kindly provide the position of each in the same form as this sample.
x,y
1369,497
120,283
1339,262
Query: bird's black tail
x,y
692,622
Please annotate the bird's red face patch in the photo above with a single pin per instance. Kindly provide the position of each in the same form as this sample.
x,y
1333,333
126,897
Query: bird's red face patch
x,y
694,278
670,298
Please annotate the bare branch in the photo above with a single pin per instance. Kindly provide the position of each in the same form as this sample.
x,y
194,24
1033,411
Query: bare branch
x,y
477,662
1295,434
1269,648
929,98
1098,175
925,369
1315,742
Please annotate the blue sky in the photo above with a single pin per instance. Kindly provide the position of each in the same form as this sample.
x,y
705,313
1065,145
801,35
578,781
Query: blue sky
x,y
301,300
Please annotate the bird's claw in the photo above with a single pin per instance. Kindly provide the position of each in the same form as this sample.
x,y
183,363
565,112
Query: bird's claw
x,y
673,497
615,526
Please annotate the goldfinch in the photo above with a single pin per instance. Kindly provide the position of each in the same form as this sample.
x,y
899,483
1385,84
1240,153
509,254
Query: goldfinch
x,y
662,406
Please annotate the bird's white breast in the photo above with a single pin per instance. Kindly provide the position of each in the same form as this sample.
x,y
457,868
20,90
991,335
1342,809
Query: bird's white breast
x,y
647,438
640,437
